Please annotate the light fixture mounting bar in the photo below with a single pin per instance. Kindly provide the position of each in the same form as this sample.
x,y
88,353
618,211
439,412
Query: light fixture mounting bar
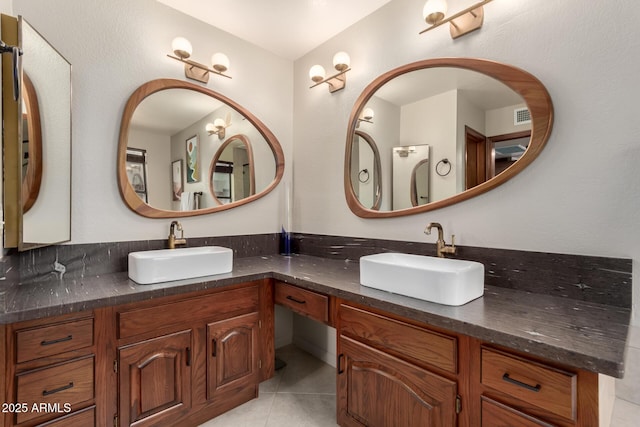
x,y
335,82
472,22
189,69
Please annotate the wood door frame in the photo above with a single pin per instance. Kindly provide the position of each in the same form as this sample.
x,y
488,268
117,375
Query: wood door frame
x,y
474,139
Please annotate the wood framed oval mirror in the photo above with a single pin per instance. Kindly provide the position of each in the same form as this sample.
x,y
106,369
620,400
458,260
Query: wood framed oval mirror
x,y
492,118
31,145
178,127
232,171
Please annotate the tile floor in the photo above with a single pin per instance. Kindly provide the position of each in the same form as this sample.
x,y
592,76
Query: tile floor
x,y
302,394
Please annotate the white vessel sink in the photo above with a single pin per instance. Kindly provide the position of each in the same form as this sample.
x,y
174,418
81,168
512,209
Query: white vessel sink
x,y
439,280
165,265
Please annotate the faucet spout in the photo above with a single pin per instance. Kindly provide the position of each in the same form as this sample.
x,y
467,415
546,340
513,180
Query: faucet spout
x,y
441,246
175,225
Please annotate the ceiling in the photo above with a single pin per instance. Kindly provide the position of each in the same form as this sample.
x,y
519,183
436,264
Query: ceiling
x,y
287,28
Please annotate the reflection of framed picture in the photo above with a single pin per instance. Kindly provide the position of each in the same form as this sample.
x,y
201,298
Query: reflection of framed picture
x,y
177,183
137,171
193,165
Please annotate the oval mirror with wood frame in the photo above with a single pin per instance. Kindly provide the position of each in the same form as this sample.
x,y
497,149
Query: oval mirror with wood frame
x,y
171,131
484,121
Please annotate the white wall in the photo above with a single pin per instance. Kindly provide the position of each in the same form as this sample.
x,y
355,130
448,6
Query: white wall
x,y
157,144
581,196
115,46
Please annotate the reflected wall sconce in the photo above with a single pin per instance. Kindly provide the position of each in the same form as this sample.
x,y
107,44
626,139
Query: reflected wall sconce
x,y
218,127
460,23
341,62
366,116
182,49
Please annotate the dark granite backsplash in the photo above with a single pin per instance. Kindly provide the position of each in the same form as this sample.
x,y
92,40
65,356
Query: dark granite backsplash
x,y
586,278
95,259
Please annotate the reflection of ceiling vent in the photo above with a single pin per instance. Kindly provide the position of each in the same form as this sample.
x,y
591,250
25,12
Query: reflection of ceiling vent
x,y
521,116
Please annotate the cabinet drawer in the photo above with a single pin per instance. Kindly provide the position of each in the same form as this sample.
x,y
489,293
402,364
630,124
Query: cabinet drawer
x,y
495,414
84,418
302,301
46,341
67,383
399,338
543,386
220,305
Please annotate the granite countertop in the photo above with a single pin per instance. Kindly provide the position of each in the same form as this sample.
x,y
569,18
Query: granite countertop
x,y
584,335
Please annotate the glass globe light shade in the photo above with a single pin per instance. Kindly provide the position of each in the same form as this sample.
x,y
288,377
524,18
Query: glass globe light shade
x,y
367,114
220,62
210,128
181,47
341,61
219,124
317,73
434,11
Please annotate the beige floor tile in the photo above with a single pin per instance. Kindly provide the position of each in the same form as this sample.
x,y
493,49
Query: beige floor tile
x,y
625,414
251,414
303,410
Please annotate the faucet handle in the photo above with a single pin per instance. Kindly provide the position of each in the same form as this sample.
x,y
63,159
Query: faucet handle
x,y
453,240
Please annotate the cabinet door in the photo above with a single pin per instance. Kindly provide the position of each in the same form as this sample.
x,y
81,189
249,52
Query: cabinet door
x,y
379,390
233,355
155,380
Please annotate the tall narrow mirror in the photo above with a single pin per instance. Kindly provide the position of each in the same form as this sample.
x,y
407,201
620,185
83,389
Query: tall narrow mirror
x,y
37,207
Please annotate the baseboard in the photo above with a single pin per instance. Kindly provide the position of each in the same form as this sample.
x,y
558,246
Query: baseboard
x,y
316,351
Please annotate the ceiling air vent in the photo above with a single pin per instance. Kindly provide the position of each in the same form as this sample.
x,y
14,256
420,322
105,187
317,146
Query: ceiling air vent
x,y
521,116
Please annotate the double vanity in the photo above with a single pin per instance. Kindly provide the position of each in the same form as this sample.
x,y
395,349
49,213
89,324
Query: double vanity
x,y
182,352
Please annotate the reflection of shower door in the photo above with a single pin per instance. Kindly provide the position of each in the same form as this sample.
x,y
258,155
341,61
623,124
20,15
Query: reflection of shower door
x,y
410,185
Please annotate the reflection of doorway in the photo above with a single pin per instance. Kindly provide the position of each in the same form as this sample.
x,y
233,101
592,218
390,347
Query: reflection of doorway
x,y
506,149
477,158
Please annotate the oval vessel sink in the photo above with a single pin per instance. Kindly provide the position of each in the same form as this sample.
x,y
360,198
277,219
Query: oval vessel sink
x,y
164,265
439,280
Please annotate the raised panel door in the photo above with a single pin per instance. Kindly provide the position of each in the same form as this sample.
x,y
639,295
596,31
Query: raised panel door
x,y
376,389
155,380
233,354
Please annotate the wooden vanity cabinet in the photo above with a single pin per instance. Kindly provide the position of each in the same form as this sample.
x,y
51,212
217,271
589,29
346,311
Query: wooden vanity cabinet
x,y
515,389
186,359
51,371
394,373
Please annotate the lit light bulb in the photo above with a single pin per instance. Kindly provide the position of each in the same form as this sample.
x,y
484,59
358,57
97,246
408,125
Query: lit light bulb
x,y
317,73
434,11
181,47
220,62
341,61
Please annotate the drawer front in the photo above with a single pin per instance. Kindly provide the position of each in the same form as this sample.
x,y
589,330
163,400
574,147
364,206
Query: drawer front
x,y
495,414
402,339
67,383
543,386
46,341
302,301
209,307
84,418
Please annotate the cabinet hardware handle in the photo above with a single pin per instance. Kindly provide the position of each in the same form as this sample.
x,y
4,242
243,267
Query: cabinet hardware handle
x,y
56,390
340,357
67,338
290,298
508,379
214,345
188,349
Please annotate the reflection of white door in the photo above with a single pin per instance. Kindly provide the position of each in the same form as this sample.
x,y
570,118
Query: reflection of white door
x,y
405,161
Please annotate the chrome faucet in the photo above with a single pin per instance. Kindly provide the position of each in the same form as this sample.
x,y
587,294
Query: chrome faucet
x,y
172,235
441,246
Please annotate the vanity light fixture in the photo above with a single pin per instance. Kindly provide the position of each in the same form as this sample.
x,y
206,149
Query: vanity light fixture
x,y
219,126
460,23
341,62
366,116
182,49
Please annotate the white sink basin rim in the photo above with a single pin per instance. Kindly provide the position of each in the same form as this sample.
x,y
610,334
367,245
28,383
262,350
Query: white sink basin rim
x,y
440,280
165,265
